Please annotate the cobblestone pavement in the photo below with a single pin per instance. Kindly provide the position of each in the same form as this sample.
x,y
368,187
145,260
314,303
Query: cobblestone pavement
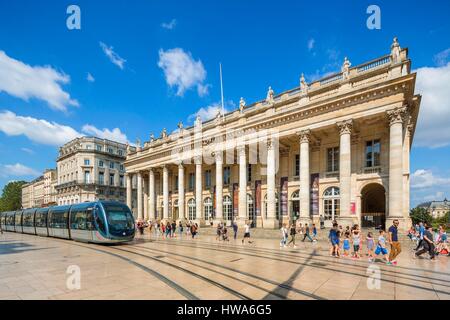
x,y
32,267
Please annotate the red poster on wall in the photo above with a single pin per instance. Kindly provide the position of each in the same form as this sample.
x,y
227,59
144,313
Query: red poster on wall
x,y
258,197
284,196
353,207
235,199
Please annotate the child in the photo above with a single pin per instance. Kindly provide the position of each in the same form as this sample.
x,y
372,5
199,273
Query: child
x,y
337,249
225,234
314,232
283,236
370,246
381,247
332,237
346,245
356,235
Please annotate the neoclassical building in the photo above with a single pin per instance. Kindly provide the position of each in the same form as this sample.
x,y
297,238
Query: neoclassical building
x,y
338,147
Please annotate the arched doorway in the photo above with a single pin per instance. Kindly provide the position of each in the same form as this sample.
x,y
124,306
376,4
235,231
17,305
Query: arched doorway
x,y
373,206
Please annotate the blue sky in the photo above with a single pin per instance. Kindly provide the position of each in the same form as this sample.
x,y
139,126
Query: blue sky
x,y
155,63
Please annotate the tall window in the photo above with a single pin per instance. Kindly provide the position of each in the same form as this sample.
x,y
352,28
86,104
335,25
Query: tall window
x,y
331,203
250,208
176,183
111,164
249,172
226,175
373,150
99,148
120,152
191,181
191,209
333,159
111,179
121,182
101,178
87,177
110,150
87,162
208,179
208,209
297,165
227,208
100,163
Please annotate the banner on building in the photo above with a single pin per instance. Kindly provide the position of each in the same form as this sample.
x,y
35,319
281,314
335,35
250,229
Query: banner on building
x,y
258,197
284,196
314,194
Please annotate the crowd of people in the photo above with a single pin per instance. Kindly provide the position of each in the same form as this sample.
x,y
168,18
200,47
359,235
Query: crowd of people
x,y
435,242
168,229
297,228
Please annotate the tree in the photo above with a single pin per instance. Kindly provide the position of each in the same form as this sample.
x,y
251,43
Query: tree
x,y
420,215
11,198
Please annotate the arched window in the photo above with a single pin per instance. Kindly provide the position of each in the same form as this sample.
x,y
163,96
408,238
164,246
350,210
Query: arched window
x,y
191,209
295,205
331,203
227,208
208,209
277,206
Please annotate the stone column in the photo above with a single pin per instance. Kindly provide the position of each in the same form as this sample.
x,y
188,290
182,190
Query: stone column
x,y
219,185
165,193
270,221
396,118
151,188
242,209
139,196
181,200
129,178
198,189
305,176
345,131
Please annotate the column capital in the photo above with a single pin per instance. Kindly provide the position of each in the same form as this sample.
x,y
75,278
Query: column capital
x,y
241,149
217,156
304,136
397,115
180,166
198,160
345,127
270,143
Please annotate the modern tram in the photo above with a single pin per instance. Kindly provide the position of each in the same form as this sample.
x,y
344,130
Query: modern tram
x,y
97,222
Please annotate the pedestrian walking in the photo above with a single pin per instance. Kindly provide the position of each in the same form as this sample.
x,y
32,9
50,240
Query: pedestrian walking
x,y
284,236
370,246
293,232
246,233
219,231
235,229
381,247
180,228
314,231
307,235
393,241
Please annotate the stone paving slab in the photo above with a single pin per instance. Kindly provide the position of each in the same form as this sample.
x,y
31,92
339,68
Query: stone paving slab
x,y
33,267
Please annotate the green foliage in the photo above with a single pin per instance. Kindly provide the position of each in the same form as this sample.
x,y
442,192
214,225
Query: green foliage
x,y
420,215
11,198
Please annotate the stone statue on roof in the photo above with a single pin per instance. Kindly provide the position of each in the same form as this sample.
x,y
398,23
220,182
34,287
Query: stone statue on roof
x,y
270,94
241,105
346,68
164,133
303,84
395,50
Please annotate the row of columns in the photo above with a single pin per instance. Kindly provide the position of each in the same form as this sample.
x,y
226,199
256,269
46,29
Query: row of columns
x,y
345,129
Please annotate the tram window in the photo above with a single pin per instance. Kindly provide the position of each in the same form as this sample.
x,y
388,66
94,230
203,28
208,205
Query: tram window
x,y
10,220
18,219
28,219
99,220
90,220
59,219
78,220
41,219
119,218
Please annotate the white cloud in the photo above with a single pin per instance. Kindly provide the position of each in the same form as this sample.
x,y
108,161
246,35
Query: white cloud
x,y
311,43
29,151
113,57
41,82
182,71
442,57
433,128
17,170
37,130
210,112
438,195
90,78
114,134
169,25
422,179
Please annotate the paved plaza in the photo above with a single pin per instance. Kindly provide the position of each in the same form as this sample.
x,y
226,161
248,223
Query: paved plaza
x,y
32,267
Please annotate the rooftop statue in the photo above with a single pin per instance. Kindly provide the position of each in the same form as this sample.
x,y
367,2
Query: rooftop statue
x,y
269,97
303,85
395,50
241,105
346,68
164,133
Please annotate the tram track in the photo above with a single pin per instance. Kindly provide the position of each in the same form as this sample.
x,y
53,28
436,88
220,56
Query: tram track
x,y
278,285
354,273
161,277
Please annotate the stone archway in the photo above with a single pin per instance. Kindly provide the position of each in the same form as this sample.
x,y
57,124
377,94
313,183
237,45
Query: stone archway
x,y
373,206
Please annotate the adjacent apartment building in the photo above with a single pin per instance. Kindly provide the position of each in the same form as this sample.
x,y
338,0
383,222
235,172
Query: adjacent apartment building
x,y
337,148
91,169
33,194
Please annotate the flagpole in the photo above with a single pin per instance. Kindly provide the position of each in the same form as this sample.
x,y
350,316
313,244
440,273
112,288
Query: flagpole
x,y
221,91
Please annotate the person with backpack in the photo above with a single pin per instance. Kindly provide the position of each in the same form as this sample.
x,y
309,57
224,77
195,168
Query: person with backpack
x,y
293,232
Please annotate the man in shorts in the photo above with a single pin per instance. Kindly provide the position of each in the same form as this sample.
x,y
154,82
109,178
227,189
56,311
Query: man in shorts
x,y
246,233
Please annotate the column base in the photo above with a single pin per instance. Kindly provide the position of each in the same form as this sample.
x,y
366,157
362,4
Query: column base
x,y
404,223
347,221
270,224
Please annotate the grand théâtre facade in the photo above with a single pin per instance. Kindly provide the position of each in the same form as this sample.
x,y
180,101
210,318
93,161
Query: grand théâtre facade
x,y
337,148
